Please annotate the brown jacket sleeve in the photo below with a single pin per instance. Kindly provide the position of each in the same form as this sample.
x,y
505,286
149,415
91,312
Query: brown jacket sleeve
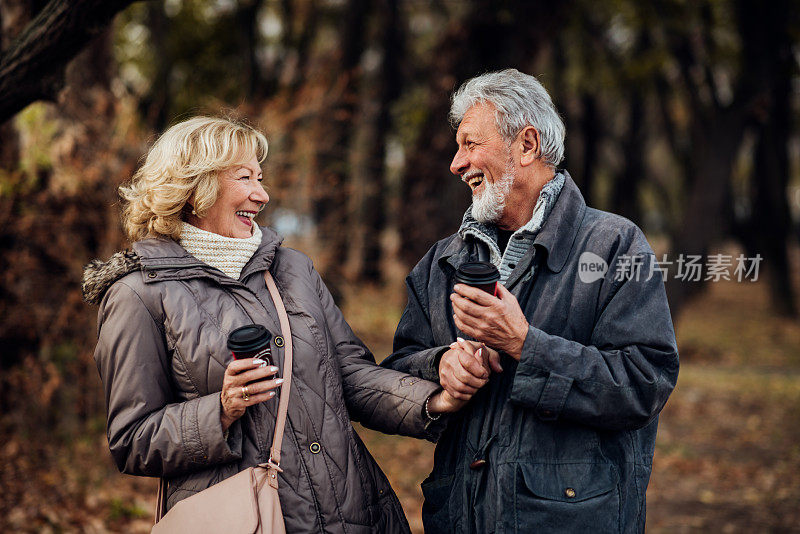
x,y
381,399
149,432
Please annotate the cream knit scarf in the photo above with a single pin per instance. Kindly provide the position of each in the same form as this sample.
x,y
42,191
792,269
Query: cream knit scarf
x,y
228,254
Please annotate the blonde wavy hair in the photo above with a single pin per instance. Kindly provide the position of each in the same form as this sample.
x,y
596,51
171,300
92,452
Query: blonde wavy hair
x,y
184,165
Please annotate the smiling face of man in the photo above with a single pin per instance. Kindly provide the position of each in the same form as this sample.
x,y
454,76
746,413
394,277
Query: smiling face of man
x,y
484,162
241,197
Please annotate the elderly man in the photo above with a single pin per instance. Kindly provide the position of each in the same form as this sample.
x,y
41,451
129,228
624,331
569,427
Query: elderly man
x,y
559,435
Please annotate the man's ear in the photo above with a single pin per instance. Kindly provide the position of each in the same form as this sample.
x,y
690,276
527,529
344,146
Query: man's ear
x,y
531,145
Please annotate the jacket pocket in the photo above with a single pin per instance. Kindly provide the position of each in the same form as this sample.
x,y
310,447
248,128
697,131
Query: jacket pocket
x,y
436,509
389,518
566,497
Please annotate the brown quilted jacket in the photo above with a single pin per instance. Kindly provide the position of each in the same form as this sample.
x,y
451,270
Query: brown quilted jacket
x,y
163,322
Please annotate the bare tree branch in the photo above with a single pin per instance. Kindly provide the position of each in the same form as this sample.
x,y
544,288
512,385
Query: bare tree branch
x,y
32,68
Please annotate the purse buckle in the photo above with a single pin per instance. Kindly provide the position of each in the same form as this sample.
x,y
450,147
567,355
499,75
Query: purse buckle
x,y
273,465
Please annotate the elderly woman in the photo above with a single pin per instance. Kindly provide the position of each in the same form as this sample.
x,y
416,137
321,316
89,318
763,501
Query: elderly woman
x,y
177,403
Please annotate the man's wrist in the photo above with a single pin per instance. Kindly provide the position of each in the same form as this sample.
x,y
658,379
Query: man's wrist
x,y
437,359
519,342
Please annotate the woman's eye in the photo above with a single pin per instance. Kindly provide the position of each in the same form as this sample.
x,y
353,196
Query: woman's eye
x,y
245,177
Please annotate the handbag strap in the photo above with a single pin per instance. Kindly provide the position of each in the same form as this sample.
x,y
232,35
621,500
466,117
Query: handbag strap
x,y
161,499
283,405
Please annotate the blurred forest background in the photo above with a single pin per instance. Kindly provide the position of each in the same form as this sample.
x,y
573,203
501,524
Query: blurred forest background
x,y
681,115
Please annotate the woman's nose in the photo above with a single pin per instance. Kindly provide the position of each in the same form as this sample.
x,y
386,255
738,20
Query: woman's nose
x,y
259,194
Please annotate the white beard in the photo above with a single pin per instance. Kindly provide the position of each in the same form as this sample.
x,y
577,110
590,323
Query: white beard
x,y
488,206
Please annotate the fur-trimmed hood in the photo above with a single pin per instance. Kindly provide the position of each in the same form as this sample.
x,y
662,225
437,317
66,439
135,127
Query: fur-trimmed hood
x,y
98,275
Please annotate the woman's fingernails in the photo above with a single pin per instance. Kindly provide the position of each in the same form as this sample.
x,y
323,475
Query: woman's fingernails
x,y
279,381
273,369
259,362
460,339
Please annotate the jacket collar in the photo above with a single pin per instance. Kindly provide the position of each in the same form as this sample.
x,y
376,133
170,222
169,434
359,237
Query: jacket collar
x,y
558,233
455,253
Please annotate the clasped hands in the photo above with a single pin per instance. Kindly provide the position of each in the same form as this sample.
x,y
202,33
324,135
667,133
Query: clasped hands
x,y
497,323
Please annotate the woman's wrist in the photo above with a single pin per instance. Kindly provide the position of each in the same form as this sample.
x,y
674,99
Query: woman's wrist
x,y
442,402
224,418
432,415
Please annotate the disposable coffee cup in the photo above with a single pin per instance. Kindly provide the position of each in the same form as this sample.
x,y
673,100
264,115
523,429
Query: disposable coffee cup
x,y
480,274
251,341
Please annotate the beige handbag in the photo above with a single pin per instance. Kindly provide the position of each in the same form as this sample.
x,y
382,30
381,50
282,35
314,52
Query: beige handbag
x,y
248,501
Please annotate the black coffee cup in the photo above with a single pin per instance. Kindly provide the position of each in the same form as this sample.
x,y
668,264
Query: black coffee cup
x,y
480,274
251,341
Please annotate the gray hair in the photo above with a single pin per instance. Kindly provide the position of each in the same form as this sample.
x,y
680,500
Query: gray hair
x,y
520,101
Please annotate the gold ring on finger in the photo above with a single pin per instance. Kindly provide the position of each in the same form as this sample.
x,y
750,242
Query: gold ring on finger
x,y
245,393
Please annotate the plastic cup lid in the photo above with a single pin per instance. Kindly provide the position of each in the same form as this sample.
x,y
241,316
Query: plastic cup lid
x,y
249,338
477,273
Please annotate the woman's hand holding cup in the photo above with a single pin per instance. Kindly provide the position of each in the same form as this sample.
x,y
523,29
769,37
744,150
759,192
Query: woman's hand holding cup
x,y
245,384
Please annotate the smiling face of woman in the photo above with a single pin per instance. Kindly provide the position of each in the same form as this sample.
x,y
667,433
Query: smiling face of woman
x,y
241,197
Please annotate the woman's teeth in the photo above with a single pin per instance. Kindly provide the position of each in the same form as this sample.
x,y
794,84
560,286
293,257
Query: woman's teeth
x,y
247,217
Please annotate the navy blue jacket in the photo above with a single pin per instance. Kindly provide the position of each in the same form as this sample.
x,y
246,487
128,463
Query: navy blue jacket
x,y
565,436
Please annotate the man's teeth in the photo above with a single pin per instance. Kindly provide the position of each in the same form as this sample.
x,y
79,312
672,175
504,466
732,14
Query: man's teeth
x,y
475,181
248,214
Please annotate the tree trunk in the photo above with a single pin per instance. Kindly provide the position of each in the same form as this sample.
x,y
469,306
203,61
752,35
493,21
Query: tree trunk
x,y
331,190
14,15
367,249
625,197
247,22
770,226
715,147
591,134
156,104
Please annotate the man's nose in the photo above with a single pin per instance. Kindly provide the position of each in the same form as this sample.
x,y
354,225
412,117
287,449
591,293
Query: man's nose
x,y
460,163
